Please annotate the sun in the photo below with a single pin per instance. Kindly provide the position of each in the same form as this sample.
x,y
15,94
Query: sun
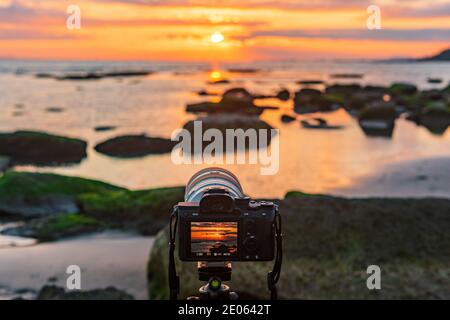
x,y
217,37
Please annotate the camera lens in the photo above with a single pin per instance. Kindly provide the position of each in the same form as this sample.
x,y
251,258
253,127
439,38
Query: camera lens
x,y
212,178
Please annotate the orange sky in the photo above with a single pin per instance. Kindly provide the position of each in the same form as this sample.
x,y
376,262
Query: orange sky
x,y
214,231
252,29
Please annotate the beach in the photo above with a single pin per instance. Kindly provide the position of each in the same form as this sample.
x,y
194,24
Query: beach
x,y
106,259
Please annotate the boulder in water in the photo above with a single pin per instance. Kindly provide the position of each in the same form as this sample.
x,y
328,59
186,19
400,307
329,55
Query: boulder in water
x,y
133,146
38,148
378,120
287,118
310,101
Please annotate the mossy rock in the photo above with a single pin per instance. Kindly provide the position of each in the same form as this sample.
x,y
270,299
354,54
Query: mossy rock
x,y
53,198
336,98
56,227
401,88
4,163
39,148
36,185
29,195
145,210
437,107
328,245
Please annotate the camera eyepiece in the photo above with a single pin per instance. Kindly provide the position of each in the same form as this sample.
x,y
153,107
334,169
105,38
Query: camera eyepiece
x,y
211,180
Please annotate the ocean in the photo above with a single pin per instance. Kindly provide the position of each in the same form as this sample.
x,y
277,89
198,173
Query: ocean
x,y
414,162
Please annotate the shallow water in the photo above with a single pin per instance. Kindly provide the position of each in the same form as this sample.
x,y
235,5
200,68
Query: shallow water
x,y
7,241
310,160
106,259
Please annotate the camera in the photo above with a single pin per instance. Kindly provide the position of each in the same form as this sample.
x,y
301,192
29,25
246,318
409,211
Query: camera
x,y
218,223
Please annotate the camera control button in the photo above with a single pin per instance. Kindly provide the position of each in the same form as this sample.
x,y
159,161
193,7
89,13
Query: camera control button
x,y
251,244
266,204
253,205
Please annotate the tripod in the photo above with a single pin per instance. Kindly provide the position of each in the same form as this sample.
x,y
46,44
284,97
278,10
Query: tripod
x,y
214,273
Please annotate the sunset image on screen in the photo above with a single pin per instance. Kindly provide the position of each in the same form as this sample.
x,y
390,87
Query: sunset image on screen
x,y
213,238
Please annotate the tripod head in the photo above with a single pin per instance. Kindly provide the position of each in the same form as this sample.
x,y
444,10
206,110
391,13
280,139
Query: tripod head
x,y
214,273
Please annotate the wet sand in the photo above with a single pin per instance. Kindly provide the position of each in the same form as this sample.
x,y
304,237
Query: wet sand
x,y
429,177
106,259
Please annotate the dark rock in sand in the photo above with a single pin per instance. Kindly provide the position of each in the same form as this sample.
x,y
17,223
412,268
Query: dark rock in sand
x,y
283,95
125,74
287,118
55,110
104,128
44,75
310,82
434,80
378,120
29,147
236,100
94,75
205,93
347,76
133,146
223,81
242,70
319,123
51,292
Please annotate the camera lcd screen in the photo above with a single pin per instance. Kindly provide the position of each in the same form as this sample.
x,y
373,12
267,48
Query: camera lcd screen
x,y
214,239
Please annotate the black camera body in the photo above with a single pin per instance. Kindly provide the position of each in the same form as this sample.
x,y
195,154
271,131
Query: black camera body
x,y
224,228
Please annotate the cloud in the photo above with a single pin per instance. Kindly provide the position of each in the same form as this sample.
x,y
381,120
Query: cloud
x,y
410,7
25,34
20,13
360,34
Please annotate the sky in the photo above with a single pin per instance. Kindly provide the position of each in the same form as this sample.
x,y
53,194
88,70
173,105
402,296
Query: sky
x,y
181,30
